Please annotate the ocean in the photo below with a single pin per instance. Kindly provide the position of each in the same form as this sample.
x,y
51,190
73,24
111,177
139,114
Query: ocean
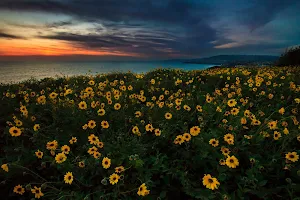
x,y
16,71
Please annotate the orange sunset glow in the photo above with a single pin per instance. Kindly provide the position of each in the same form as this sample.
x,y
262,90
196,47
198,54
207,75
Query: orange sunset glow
x,y
43,47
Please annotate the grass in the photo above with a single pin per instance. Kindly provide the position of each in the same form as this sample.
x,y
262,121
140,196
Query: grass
x,y
229,133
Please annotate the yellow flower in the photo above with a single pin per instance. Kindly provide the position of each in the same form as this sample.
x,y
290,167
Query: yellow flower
x,y
68,178
214,142
138,114
149,127
142,191
179,139
4,167
97,155
117,106
91,124
292,156
39,154
195,130
53,95
277,135
104,124
135,130
225,151
157,132
18,122
91,82
272,125
92,150
15,131
81,164
231,102
210,182
119,169
234,111
60,158
52,145
297,100
228,138
100,144
41,100
222,162
36,127
114,178
285,131
106,162
19,190
186,107
101,112
209,99
82,105
232,162
168,115
73,140
199,108
186,137
65,149
281,111
243,120
37,192
93,139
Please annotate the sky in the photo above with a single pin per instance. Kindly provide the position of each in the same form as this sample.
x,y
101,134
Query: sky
x,y
146,29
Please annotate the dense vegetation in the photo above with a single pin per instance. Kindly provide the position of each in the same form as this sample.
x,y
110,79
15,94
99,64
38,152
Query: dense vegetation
x,y
169,134
291,57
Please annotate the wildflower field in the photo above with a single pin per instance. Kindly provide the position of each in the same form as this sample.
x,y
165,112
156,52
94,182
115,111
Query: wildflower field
x,y
230,133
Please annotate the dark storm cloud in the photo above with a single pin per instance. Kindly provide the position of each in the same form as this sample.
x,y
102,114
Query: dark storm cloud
x,y
59,24
259,13
31,5
142,44
9,36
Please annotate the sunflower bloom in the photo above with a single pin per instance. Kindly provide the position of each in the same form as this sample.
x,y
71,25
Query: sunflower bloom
x,y
39,154
104,124
4,167
91,124
15,131
60,158
168,115
37,192
232,162
114,178
18,189
68,178
210,182
231,102
214,142
292,156
119,169
142,191
195,130
106,162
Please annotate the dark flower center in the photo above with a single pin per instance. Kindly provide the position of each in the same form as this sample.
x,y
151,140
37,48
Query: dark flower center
x,y
210,180
292,156
231,160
